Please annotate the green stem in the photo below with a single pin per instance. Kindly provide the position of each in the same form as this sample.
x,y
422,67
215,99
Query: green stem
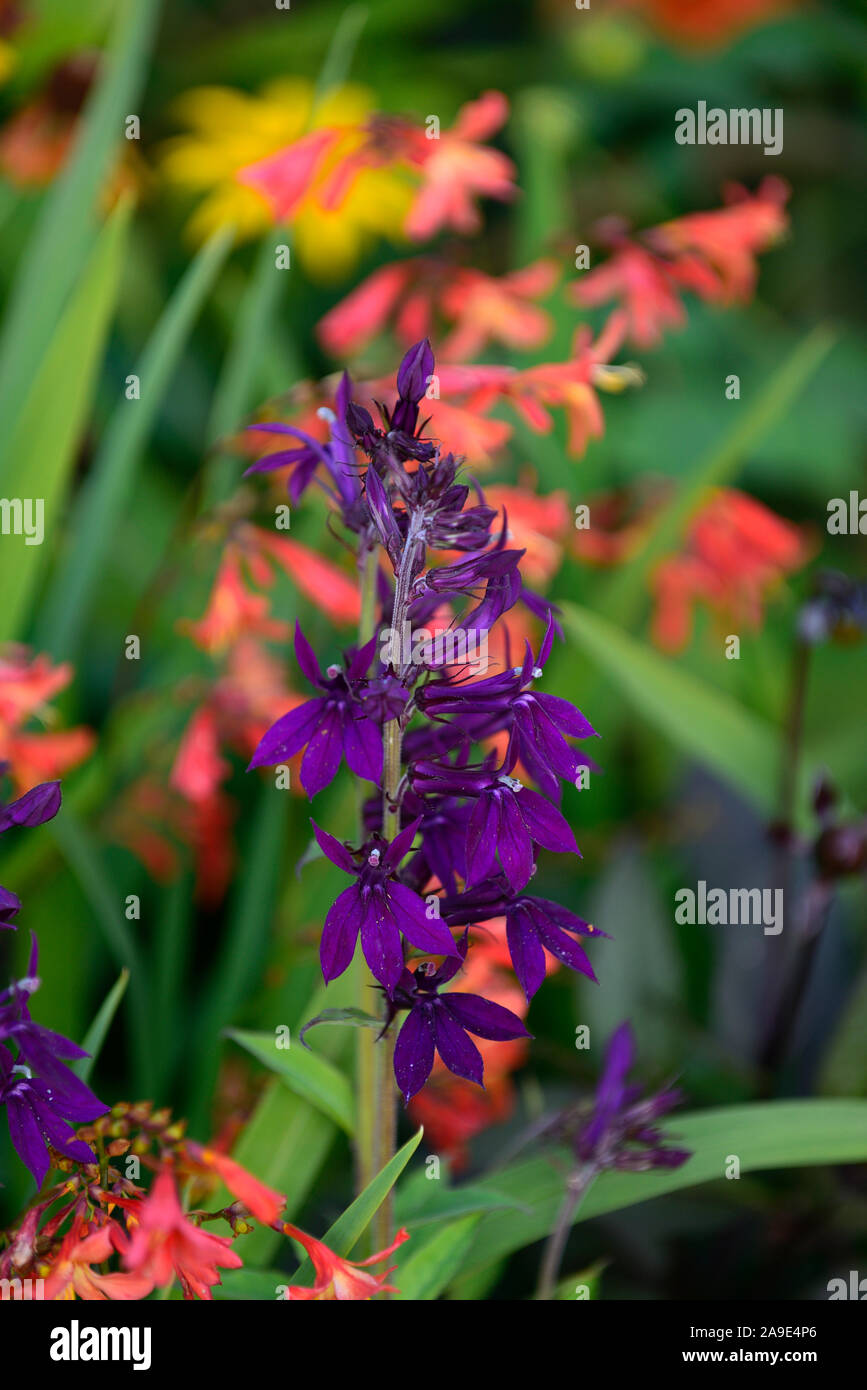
x,y
366,1139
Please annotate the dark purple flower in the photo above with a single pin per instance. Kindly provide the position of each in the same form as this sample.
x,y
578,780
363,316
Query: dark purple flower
x,y
442,1023
39,1091
538,723
332,726
337,457
35,807
621,1130
379,907
507,820
533,926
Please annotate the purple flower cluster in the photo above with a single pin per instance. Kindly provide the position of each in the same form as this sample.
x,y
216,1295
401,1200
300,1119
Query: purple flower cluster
x,y
452,834
41,1095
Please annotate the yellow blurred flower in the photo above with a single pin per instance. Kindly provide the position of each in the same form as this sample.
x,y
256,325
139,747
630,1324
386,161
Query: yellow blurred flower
x,y
229,130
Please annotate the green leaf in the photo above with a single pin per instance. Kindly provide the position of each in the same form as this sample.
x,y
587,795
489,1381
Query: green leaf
x,y
427,1270
58,249
702,722
350,1018
40,446
567,1289
98,1030
245,942
844,1070
350,1227
107,491
778,1134
304,1072
248,1285
423,1202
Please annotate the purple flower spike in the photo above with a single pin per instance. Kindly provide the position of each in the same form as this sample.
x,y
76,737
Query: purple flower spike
x,y
380,908
442,1023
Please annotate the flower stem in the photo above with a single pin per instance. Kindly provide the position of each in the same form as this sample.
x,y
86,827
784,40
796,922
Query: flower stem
x,y
576,1190
366,1139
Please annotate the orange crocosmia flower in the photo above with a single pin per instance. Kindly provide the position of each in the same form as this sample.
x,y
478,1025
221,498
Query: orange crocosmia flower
x,y
487,309
457,168
261,1201
337,1278
233,610
165,1244
198,769
706,23
538,524
357,319
572,385
469,434
736,552
643,283
329,588
27,684
285,178
482,308
72,1276
729,238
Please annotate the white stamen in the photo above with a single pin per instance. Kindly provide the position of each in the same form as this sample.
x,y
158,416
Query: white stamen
x,y
332,672
537,672
374,857
324,413
23,1071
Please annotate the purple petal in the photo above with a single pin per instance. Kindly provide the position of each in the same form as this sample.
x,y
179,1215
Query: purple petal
x,y
565,715
340,934
514,843
483,1017
414,1051
362,744
288,735
380,941
545,823
527,954
324,751
333,849
401,845
35,807
410,914
459,1053
306,657
482,840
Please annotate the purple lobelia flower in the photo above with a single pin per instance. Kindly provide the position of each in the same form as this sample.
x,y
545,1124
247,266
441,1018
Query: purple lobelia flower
x,y
621,1130
379,907
508,819
533,926
41,1095
35,807
442,1023
333,726
538,722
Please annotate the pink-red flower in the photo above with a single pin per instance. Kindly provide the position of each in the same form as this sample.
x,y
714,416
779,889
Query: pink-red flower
x,y
338,1278
165,1244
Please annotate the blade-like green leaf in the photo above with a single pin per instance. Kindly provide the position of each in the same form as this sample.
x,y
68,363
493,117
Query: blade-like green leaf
x,y
42,441
704,723
350,1227
426,1271
308,1075
58,249
108,488
98,1030
778,1134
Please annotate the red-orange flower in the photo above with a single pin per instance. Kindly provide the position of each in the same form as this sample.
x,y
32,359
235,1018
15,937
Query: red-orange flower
x,y
457,168
72,1276
166,1244
27,684
729,238
337,1278
737,550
